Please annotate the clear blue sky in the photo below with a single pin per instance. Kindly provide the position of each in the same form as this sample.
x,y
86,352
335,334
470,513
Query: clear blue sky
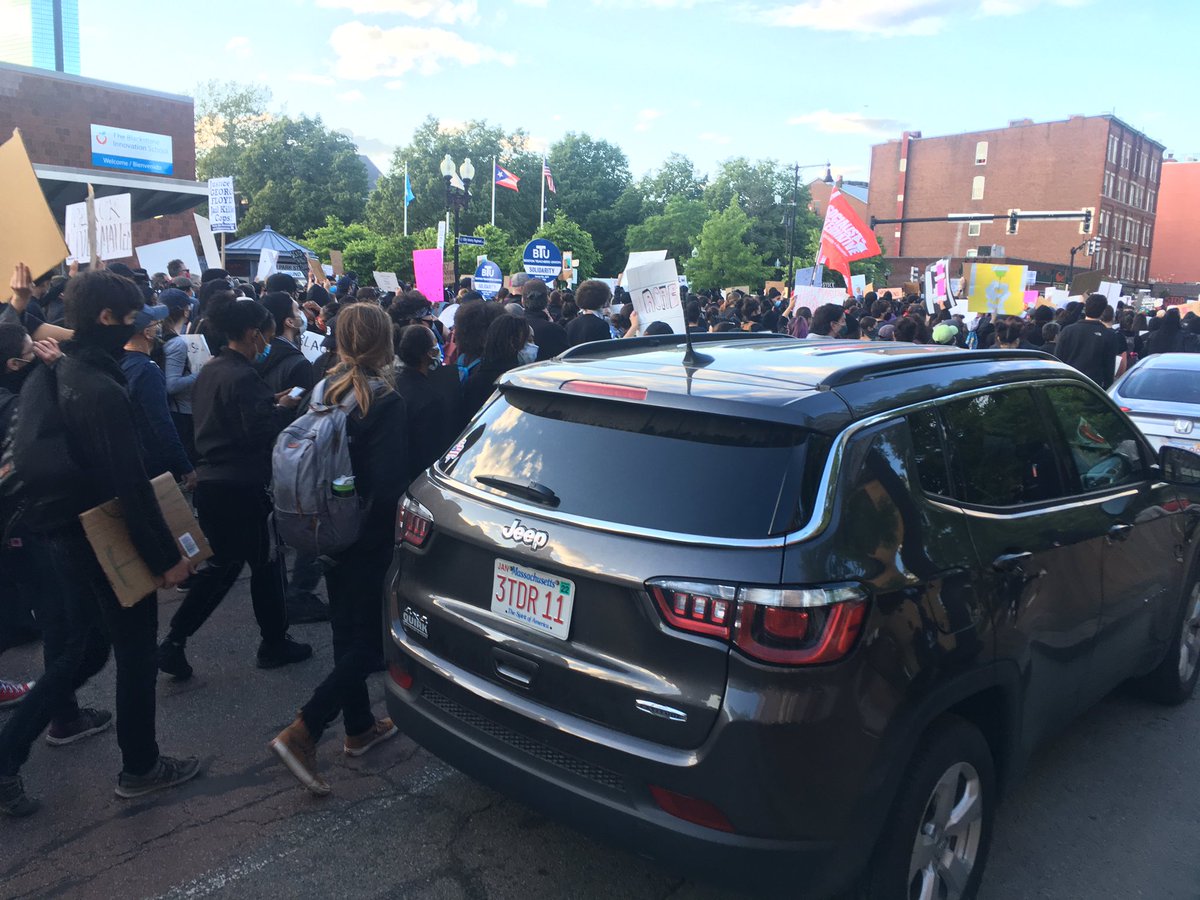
x,y
795,81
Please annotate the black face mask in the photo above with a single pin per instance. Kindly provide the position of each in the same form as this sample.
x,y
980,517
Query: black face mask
x,y
109,338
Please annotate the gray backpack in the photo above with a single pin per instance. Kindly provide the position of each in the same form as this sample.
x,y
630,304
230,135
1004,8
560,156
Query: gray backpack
x,y
310,454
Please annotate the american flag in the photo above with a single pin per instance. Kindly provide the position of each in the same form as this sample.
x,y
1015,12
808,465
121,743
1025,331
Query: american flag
x,y
549,178
505,178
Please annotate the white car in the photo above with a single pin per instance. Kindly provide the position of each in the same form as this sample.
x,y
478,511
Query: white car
x,y
1161,393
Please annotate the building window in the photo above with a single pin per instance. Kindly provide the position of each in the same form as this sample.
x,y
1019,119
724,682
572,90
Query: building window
x,y
977,187
1103,223
1124,154
1112,149
981,153
973,229
1101,256
1108,184
1151,198
1146,231
1142,269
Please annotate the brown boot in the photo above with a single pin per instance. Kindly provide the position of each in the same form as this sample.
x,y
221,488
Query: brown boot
x,y
359,744
298,751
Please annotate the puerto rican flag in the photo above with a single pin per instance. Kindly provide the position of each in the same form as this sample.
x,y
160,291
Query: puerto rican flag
x,y
549,178
505,178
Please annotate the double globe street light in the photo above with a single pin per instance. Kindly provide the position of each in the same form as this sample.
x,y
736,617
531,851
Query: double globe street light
x,y
457,198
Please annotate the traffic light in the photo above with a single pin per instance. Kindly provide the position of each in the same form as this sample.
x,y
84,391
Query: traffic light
x,y
1012,221
1086,227
914,274
1092,246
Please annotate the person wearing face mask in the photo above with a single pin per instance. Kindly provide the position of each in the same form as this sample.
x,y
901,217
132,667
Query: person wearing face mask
x,y
178,368
162,450
428,423
509,344
72,450
237,419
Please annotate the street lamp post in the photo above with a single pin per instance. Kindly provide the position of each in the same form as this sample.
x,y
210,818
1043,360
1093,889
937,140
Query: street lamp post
x,y
457,198
791,216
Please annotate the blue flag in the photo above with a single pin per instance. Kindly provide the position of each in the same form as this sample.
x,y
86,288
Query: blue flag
x,y
408,194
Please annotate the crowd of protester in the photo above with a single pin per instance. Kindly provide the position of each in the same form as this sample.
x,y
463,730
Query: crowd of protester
x,y
98,395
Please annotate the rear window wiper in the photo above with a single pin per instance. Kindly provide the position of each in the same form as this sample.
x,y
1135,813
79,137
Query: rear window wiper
x,y
530,490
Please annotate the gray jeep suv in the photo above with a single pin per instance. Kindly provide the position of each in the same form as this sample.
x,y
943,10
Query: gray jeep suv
x,y
792,612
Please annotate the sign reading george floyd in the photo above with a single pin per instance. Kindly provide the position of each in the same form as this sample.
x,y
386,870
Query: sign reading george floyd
x,y
132,151
222,205
542,259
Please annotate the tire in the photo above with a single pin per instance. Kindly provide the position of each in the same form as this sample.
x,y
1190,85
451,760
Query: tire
x,y
1174,680
951,772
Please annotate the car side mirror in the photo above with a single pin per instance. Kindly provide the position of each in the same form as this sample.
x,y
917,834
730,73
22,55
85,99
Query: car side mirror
x,y
1179,466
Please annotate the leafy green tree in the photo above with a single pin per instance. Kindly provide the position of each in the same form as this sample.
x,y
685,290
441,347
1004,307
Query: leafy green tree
x,y
724,257
755,186
228,115
333,235
676,177
296,172
567,236
677,228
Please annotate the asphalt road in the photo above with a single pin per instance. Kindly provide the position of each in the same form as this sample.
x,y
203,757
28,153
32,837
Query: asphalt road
x,y
1109,809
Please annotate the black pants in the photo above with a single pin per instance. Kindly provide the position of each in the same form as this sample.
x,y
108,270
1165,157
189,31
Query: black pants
x,y
92,623
235,519
185,426
355,586
19,593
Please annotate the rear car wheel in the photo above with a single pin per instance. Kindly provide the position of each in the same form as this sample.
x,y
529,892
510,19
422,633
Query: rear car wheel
x,y
1174,681
936,840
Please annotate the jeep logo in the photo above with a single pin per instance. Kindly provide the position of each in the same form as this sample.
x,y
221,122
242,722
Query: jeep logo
x,y
519,534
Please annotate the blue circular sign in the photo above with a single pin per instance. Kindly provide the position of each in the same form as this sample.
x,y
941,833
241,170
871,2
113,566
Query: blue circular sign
x,y
488,279
542,259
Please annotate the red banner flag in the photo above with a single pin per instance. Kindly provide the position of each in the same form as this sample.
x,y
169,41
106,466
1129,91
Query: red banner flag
x,y
844,238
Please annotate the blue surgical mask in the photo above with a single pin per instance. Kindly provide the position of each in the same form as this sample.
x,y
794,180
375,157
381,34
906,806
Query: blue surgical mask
x,y
262,357
527,354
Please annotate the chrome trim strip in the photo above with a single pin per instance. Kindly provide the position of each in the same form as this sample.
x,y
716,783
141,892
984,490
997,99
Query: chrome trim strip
x,y
822,508
670,713
1041,510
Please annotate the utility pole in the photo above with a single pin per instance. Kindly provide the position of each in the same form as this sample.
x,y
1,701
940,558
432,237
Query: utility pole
x,y
792,230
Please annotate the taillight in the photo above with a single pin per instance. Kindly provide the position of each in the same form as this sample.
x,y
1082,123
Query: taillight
x,y
414,523
1126,409
782,625
600,389
400,676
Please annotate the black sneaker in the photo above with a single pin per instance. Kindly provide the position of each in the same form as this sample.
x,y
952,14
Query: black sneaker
x,y
13,799
307,609
282,653
89,722
172,660
167,772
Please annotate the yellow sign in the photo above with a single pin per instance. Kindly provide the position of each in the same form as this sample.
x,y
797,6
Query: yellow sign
x,y
999,290
28,232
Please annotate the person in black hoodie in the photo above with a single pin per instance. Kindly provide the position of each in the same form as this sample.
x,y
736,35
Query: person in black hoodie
x,y
427,432
237,418
77,450
550,337
509,344
376,429
590,324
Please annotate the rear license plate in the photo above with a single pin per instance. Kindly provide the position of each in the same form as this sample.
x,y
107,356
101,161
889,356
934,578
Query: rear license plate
x,y
532,599
1194,446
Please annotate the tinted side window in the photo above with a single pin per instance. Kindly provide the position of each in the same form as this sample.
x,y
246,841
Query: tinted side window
x,y
925,429
1001,449
1104,451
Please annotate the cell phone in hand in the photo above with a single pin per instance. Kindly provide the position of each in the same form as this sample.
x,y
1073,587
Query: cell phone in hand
x,y
296,393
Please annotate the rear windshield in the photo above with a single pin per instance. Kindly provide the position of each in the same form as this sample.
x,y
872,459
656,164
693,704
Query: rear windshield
x,y
1170,385
640,465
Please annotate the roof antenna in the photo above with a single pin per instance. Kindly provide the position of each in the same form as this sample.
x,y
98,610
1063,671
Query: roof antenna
x,y
689,356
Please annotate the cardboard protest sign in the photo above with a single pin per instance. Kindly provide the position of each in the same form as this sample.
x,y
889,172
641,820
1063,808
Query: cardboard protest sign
x,y
780,286
154,257
28,231
999,290
198,352
335,257
222,206
387,281
316,269
429,273
114,229
108,534
1086,283
912,288
212,256
310,345
654,293
268,263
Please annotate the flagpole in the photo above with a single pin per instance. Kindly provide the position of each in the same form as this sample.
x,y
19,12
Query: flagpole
x,y
495,160
406,198
542,214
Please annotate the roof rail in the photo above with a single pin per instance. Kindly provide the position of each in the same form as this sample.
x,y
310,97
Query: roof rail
x,y
621,345
886,365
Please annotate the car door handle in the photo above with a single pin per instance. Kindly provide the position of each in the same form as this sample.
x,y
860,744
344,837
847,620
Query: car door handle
x,y
1011,562
1119,533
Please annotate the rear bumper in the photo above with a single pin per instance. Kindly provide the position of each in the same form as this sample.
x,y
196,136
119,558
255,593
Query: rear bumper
x,y
603,791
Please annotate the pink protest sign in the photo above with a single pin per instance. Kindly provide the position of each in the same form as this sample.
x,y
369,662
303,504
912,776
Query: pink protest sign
x,y
427,265
1031,298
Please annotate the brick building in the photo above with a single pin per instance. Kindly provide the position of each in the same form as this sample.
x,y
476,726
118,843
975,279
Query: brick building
x,y
1085,162
1177,229
62,119
855,192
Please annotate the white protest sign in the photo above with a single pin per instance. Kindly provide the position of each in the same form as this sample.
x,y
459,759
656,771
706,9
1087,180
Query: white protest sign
x,y
310,345
930,296
222,207
812,296
1057,297
387,281
858,284
642,258
441,238
212,256
654,293
114,229
197,350
1111,290
268,260
446,316
1030,278
154,257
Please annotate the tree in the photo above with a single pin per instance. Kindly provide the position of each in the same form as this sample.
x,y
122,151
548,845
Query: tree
x,y
724,257
566,235
228,116
296,172
676,229
333,235
755,186
676,177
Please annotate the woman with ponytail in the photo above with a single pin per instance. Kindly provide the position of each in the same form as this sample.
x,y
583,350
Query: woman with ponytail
x,y
236,419
378,448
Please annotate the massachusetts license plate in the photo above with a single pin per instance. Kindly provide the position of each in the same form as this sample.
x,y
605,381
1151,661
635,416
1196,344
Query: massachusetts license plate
x,y
535,600
1194,446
